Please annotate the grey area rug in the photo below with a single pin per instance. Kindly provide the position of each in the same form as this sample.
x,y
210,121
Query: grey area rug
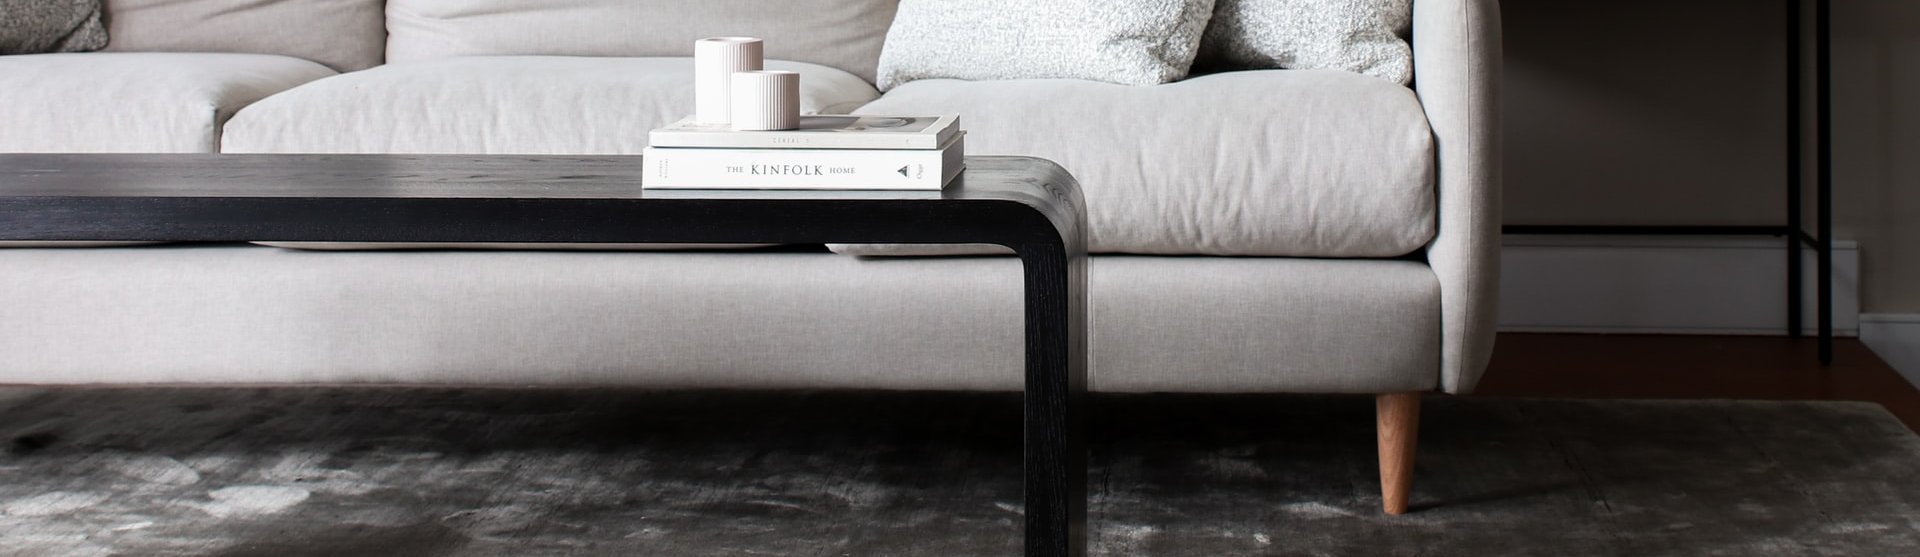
x,y
332,471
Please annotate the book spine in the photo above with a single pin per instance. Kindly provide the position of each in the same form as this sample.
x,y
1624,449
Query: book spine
x,y
775,140
799,169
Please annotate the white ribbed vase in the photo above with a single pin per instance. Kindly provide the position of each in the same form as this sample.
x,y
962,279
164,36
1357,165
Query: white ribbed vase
x,y
715,60
766,100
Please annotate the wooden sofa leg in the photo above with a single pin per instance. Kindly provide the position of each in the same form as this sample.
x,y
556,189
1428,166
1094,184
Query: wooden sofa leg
x,y
1397,422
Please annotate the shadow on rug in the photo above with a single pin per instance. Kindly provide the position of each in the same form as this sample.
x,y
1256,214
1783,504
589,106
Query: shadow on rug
x,y
416,471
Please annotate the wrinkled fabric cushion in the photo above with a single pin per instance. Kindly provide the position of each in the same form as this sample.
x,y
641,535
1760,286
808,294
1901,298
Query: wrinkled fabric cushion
x,y
102,102
39,26
345,35
844,34
1273,163
1132,42
500,105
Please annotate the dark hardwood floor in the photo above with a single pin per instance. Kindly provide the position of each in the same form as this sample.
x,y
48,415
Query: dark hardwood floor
x,y
1689,366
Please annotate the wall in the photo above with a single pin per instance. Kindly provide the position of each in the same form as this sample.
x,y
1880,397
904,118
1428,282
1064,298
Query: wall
x,y
1877,144
1662,112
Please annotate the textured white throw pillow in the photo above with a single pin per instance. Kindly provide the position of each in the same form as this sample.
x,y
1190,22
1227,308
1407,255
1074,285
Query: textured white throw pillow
x,y
1130,42
1362,36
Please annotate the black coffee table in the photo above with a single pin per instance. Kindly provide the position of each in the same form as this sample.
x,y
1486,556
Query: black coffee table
x,y
1029,205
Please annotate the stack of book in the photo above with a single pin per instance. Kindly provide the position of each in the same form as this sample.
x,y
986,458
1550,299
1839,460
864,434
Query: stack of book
x,y
918,153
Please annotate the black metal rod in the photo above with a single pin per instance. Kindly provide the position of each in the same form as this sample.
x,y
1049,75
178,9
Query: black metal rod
x,y
1823,75
1795,298
1653,230
1794,231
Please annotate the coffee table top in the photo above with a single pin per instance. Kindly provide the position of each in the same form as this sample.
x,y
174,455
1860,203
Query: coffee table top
x,y
440,176
235,197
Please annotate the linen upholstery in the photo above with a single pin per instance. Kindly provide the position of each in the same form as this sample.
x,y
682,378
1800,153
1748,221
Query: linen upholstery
x,y
1457,64
844,34
500,105
1277,163
345,35
248,314
101,102
1133,42
252,314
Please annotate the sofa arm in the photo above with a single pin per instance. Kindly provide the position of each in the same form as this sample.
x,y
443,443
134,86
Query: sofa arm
x,y
1456,65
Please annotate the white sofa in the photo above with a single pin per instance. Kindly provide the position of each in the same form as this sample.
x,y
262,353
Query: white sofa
x,y
1253,231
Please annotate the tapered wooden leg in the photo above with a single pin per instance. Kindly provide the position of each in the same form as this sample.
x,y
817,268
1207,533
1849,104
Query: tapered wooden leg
x,y
1397,417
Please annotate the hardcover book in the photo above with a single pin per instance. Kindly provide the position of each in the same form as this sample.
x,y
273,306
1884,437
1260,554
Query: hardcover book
x,y
804,169
817,132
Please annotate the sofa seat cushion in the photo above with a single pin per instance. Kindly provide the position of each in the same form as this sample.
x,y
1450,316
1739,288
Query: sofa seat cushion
x,y
501,105
1275,163
243,314
134,102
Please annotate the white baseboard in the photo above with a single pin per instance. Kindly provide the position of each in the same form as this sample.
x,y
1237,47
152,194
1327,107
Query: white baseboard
x,y
1664,284
1896,339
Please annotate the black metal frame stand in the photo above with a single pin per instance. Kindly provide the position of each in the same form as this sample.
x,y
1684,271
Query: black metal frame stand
x,y
1794,231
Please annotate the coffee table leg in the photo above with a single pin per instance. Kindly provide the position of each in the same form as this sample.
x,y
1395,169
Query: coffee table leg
x,y
1056,454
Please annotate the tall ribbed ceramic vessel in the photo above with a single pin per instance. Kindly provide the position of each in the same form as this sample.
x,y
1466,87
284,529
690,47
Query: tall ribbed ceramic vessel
x,y
766,100
715,60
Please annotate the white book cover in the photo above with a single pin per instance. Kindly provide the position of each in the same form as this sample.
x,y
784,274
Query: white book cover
x,y
803,169
816,132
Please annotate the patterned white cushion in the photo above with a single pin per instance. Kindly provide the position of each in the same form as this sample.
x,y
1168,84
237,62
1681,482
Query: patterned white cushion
x,y
1130,42
1362,36
51,26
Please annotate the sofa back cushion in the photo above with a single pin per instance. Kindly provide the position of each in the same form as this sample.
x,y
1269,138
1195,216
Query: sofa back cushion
x,y
345,35
843,34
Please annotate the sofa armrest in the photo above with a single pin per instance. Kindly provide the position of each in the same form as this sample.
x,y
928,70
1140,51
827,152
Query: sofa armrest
x,y
1456,61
